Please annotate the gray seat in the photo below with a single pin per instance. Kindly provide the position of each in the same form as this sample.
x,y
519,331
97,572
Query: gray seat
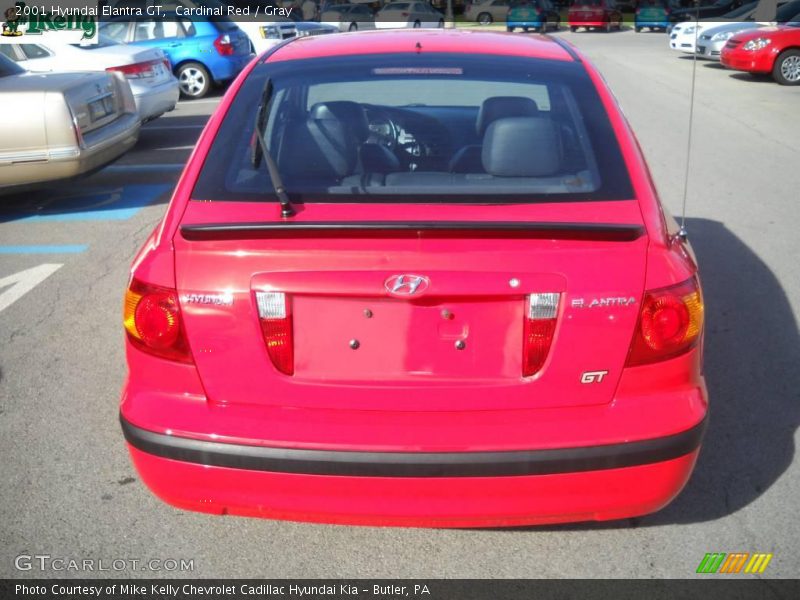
x,y
468,158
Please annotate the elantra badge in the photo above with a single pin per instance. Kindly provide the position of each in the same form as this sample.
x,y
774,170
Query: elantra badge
x,y
406,285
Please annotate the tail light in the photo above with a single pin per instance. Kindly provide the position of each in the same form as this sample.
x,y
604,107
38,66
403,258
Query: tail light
x,y
404,14
275,317
138,70
224,45
540,325
153,321
670,323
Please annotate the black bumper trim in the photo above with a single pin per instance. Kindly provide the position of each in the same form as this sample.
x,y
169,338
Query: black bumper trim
x,y
415,464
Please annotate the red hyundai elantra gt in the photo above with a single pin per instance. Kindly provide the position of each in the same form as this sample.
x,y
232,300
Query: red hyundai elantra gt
x,y
416,278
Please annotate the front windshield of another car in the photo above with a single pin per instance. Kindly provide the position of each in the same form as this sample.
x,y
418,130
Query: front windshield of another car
x,y
437,126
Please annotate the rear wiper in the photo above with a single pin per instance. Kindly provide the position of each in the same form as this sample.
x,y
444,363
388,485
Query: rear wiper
x,y
261,151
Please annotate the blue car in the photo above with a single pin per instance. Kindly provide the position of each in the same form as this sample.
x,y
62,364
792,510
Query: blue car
x,y
202,50
653,14
538,15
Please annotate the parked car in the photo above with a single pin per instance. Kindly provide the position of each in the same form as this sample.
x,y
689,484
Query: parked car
x,y
155,89
594,14
683,36
540,15
653,14
713,40
774,50
519,342
487,12
61,125
202,50
408,14
348,17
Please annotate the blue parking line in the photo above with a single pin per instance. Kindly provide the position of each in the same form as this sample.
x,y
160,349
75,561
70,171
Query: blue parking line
x,y
67,249
107,205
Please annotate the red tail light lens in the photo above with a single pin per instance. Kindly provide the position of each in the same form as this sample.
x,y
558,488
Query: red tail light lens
x,y
223,45
153,321
275,317
670,323
540,326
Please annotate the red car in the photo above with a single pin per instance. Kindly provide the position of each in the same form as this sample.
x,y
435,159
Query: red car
x,y
416,278
774,50
594,14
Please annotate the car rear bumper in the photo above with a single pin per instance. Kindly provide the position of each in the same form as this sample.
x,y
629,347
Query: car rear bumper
x,y
653,24
99,148
152,102
228,67
427,490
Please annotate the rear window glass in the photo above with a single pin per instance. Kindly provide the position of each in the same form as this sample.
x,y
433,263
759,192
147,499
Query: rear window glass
x,y
9,67
419,128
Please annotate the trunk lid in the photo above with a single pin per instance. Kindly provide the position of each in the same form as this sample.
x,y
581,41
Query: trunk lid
x,y
338,276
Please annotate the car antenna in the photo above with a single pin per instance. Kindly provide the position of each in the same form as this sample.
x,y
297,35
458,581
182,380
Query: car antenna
x,y
682,232
261,150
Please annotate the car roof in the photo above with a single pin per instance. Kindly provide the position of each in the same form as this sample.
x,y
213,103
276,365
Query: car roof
x,y
415,41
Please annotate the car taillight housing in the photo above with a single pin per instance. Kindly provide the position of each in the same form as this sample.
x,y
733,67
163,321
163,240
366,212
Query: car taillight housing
x,y
224,45
541,314
275,318
153,321
138,70
670,323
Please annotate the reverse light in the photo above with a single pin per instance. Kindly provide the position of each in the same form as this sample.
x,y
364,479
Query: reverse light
x,y
756,44
670,323
153,321
275,317
540,325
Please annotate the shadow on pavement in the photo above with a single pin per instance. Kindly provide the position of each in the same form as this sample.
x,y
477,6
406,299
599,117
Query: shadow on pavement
x,y
752,349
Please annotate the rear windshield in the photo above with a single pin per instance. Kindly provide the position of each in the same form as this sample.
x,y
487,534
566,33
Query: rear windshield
x,y
416,128
9,67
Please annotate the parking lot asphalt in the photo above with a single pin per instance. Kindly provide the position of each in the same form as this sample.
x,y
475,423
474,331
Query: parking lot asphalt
x,y
69,490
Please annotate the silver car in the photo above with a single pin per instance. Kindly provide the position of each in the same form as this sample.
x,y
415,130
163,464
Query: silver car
x,y
348,17
711,41
487,12
60,125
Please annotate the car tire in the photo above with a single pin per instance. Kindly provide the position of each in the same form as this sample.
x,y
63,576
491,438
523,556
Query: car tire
x,y
417,25
193,79
485,19
510,29
637,29
353,27
524,30
557,26
543,27
619,24
573,29
787,68
441,23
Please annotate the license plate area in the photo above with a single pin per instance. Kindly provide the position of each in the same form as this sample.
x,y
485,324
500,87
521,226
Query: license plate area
x,y
358,339
101,107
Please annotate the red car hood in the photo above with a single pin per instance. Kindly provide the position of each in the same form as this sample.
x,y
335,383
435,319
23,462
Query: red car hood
x,y
781,34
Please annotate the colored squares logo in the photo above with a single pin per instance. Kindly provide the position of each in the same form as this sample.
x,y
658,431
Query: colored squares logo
x,y
734,562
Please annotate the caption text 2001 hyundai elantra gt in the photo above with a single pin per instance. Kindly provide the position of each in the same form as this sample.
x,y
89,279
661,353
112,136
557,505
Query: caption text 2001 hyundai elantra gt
x,y
416,278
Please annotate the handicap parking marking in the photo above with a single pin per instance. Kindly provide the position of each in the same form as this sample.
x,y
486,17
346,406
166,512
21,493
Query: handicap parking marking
x,y
13,287
111,204
44,249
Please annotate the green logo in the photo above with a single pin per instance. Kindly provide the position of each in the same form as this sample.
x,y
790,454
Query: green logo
x,y
38,21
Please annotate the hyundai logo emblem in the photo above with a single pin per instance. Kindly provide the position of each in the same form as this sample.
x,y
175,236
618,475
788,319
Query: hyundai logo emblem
x,y
406,285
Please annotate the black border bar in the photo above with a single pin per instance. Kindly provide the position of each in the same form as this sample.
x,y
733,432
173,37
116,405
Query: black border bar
x,y
415,464
581,231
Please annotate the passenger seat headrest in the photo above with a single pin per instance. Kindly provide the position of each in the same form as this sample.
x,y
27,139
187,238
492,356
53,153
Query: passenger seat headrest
x,y
499,107
351,115
522,147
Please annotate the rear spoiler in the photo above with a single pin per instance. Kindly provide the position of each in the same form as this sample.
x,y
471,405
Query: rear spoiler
x,y
413,229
